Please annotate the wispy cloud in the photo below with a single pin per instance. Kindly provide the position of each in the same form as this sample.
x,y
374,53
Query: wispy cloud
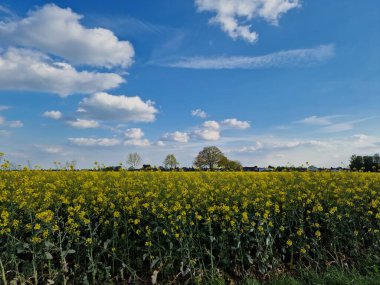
x,y
286,58
343,126
7,11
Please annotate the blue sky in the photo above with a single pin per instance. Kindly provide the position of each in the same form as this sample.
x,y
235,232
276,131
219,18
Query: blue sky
x,y
268,81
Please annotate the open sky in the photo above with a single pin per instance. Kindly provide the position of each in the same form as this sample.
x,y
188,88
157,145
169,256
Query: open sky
x,y
267,81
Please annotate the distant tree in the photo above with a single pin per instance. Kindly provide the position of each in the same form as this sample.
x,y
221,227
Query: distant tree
x,y
230,165
170,162
376,159
134,160
209,157
368,163
71,165
1,156
356,162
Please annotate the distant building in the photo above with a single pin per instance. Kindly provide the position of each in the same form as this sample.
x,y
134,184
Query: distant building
x,y
312,168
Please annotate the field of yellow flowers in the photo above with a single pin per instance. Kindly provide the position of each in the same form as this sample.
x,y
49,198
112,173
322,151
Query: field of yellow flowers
x,y
92,227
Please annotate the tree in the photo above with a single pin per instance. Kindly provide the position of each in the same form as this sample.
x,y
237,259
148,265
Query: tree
x,y
170,162
230,165
209,157
134,160
356,162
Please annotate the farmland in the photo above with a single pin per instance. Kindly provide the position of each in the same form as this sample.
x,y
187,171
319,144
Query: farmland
x,y
92,227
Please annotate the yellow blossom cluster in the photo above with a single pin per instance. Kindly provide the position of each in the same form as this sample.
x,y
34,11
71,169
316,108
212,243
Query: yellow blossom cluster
x,y
130,218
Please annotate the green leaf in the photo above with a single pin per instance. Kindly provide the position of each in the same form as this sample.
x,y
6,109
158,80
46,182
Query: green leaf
x,y
48,255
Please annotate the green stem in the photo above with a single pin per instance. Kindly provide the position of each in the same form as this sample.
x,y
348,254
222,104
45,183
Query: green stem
x,y
3,277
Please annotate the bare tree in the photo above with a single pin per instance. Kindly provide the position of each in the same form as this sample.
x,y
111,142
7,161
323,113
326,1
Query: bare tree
x,y
170,161
134,160
209,157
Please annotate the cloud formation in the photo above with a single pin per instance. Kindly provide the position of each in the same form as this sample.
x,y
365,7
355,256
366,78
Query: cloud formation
x,y
58,31
176,136
55,115
199,113
135,137
107,142
84,124
234,123
232,15
22,69
286,58
10,124
104,106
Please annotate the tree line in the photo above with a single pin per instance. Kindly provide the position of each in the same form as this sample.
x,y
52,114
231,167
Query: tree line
x,y
367,163
210,158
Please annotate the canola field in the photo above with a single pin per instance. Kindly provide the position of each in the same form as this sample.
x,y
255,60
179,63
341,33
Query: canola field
x,y
91,227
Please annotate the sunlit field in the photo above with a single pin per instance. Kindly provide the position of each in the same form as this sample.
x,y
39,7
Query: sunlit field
x,y
71,227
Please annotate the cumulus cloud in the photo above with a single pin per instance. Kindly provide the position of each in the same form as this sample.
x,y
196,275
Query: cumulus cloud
x,y
232,15
58,31
176,137
207,134
213,125
235,124
209,131
83,124
135,137
22,69
94,141
55,115
199,113
104,106
286,58
137,142
134,133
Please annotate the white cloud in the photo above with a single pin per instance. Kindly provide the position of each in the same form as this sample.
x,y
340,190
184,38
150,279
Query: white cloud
x,y
213,125
134,133
176,137
232,15
137,142
235,124
339,127
135,137
83,124
94,141
11,124
55,115
105,106
15,124
6,11
199,113
59,32
4,133
51,149
209,131
315,120
325,151
207,134
160,143
287,58
22,69
3,107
